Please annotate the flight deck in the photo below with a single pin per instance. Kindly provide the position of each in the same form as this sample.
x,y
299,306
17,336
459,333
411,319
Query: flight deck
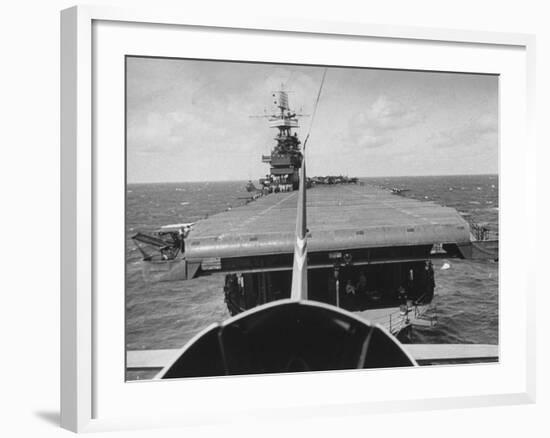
x,y
339,217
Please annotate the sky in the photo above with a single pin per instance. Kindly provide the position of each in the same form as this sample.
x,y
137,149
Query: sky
x,y
190,120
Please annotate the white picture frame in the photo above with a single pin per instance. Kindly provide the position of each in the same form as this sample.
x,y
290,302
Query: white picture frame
x,y
86,358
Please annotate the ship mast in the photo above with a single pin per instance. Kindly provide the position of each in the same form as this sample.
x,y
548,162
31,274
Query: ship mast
x,y
285,120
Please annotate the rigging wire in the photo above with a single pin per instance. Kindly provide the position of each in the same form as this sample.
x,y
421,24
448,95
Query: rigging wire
x,y
315,108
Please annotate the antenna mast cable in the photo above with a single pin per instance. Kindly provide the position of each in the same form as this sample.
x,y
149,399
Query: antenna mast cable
x,y
299,268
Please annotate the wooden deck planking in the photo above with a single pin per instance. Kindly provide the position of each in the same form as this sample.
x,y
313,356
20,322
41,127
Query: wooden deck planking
x,y
334,214
355,207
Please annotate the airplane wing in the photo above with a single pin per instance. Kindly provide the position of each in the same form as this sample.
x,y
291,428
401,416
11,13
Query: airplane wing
x,y
176,227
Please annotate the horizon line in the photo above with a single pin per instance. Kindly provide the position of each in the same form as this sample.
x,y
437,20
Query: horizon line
x,y
314,176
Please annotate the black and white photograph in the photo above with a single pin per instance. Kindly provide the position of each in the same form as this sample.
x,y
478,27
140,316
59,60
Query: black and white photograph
x,y
284,218
266,220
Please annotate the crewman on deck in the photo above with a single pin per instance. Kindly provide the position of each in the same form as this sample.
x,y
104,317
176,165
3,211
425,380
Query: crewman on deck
x,y
350,289
362,284
402,294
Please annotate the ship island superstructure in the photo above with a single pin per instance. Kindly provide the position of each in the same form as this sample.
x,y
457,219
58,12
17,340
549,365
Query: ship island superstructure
x,y
285,159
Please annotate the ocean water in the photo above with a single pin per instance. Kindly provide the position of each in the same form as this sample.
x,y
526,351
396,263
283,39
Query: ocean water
x,y
168,314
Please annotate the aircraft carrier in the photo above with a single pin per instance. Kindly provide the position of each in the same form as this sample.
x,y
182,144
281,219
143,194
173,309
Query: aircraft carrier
x,y
369,250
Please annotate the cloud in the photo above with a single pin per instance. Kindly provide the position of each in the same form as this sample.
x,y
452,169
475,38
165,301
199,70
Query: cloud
x,y
375,122
173,132
301,85
373,127
370,140
386,113
471,133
